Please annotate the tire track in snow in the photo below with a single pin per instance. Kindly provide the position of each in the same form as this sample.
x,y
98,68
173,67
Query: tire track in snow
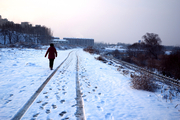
x,y
80,113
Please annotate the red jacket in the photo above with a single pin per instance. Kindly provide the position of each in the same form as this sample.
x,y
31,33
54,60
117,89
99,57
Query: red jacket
x,y
52,53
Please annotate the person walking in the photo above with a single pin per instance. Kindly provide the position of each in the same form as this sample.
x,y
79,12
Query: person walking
x,y
51,56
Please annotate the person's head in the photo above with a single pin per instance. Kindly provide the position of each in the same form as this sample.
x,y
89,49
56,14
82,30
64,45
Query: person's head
x,y
52,45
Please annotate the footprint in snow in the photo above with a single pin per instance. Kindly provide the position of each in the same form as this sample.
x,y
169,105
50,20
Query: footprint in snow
x,y
74,105
41,107
62,113
39,101
56,93
64,93
10,95
62,101
48,111
46,96
23,87
67,118
102,102
21,91
85,100
8,101
84,96
35,115
44,103
93,90
45,92
108,116
57,97
54,106
32,83
100,108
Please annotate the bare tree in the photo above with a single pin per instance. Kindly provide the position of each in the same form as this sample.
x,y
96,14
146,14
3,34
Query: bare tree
x,y
171,64
29,34
18,32
152,44
4,34
10,36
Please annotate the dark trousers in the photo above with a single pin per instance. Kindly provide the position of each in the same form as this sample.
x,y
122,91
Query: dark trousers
x,y
51,62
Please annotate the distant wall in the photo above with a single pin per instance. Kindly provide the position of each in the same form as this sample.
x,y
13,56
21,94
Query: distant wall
x,y
80,41
59,41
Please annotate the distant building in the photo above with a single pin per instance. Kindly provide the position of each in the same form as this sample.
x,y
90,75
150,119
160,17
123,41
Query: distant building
x,y
3,21
57,40
23,24
80,41
37,25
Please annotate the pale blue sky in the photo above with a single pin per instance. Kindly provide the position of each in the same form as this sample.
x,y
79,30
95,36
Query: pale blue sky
x,y
109,21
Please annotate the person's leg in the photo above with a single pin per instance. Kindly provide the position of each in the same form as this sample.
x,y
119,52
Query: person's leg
x,y
51,61
52,64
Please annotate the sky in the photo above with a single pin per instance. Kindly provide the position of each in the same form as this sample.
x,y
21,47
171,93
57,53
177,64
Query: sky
x,y
108,21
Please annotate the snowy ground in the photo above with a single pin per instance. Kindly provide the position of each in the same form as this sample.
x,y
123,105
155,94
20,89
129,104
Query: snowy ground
x,y
106,92
120,48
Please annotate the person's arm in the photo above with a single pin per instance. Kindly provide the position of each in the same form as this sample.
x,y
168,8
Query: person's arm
x,y
47,52
56,52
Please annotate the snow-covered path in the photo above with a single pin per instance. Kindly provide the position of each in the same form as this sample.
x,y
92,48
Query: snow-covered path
x,y
57,100
106,92
22,72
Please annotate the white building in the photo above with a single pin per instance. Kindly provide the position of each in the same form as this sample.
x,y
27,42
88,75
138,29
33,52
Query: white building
x,y
80,41
59,41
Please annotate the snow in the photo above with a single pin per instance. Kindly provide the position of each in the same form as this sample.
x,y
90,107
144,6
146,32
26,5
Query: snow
x,y
120,48
168,52
57,40
22,72
107,92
